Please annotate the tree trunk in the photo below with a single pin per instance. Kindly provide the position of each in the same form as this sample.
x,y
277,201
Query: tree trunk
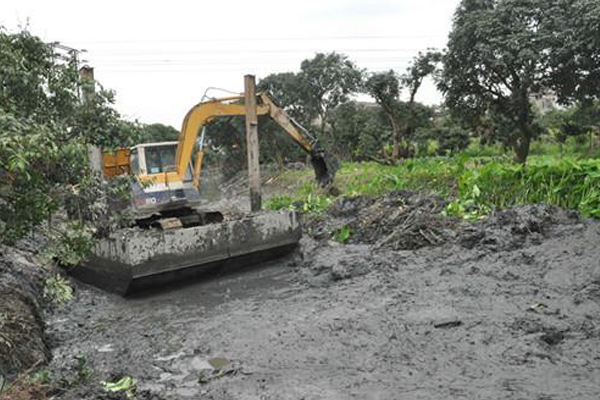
x,y
396,138
522,144
323,125
409,126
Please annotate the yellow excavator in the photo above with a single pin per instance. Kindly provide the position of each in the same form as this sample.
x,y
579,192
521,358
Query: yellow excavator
x,y
166,192
175,233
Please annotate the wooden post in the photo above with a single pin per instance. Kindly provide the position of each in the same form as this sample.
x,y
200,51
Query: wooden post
x,y
252,143
87,91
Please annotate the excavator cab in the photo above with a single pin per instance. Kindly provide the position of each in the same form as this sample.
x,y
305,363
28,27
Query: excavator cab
x,y
158,198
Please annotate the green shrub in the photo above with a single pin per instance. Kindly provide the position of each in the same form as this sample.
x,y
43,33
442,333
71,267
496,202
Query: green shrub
x,y
126,385
70,245
343,234
280,202
58,290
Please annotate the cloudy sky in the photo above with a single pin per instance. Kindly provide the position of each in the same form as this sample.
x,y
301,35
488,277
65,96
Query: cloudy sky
x,y
161,56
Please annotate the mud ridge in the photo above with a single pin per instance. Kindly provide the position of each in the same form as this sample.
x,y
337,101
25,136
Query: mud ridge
x,y
22,341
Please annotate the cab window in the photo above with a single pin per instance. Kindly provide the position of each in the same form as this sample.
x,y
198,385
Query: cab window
x,y
160,159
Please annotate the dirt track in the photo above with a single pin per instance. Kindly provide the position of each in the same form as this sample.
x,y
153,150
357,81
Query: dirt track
x,y
506,308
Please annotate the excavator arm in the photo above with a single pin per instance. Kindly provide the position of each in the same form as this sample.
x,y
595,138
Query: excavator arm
x,y
204,112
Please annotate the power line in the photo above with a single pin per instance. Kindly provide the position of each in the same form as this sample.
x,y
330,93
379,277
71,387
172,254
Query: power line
x,y
140,70
253,51
237,61
265,39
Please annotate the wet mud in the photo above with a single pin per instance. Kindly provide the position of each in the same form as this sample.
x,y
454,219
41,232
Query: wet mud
x,y
414,306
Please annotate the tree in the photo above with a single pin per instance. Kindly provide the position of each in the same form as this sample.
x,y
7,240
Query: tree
x,y
384,87
423,65
404,117
494,63
450,135
570,29
357,131
501,52
574,121
44,133
158,133
286,90
326,81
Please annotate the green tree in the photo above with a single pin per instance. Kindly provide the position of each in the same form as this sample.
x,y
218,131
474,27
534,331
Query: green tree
x,y
451,136
501,52
326,81
44,133
423,65
574,121
570,31
385,88
158,133
287,91
358,131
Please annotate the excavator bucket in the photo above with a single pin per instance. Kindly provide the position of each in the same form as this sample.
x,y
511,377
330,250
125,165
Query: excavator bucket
x,y
132,259
324,165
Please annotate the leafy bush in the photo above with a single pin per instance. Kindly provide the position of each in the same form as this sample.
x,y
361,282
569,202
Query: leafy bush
x,y
343,234
58,290
41,377
70,245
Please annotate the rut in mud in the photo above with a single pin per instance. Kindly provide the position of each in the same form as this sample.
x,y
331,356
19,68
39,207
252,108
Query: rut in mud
x,y
415,305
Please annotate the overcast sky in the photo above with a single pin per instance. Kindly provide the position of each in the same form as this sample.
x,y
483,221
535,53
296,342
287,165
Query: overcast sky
x,y
161,56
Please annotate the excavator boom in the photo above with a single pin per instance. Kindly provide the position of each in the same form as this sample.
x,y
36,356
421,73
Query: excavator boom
x,y
204,112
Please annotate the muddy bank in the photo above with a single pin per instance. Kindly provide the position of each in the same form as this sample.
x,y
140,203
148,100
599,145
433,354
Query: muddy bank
x,y
22,341
507,307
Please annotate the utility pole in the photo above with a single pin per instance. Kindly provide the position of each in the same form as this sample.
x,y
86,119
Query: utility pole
x,y
88,89
252,143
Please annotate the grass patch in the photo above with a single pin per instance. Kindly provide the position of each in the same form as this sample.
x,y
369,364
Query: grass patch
x,y
475,185
568,183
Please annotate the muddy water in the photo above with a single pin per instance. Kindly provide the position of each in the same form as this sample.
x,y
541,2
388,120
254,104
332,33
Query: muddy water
x,y
157,335
508,310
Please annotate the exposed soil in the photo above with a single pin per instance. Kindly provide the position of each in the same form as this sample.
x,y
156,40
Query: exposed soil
x,y
22,343
413,306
